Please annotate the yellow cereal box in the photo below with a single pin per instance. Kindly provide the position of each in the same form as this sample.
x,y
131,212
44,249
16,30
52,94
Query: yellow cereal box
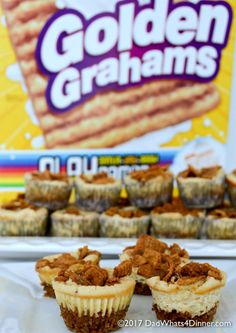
x,y
115,84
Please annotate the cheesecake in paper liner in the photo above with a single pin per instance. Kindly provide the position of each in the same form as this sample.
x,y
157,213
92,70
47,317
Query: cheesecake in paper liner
x,y
50,266
111,117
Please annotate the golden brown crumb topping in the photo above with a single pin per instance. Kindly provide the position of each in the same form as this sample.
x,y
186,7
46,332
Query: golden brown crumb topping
x,y
146,241
125,212
88,274
63,261
206,173
176,206
18,204
150,173
47,175
72,210
152,257
223,211
193,272
66,260
99,179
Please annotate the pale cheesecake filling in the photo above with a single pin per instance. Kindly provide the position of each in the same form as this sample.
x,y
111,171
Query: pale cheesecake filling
x,y
195,299
94,300
232,178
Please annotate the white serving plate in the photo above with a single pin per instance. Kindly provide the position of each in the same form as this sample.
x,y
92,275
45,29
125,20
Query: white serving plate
x,y
35,247
23,309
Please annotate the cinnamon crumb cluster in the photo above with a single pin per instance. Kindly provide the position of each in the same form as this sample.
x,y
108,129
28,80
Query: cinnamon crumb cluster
x,y
150,173
99,178
88,274
154,258
18,203
65,260
176,206
47,175
223,212
126,213
193,272
207,173
72,210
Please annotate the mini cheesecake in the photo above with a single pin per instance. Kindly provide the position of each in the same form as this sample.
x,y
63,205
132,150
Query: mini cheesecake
x,y
203,188
149,188
174,220
46,189
146,257
19,218
189,295
49,267
221,223
124,222
97,192
74,222
93,299
231,187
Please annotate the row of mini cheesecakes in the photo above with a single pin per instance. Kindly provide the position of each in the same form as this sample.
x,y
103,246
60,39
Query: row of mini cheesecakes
x,y
170,220
203,188
92,298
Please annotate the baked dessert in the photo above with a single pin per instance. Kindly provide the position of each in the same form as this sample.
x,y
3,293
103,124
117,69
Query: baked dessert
x,y
46,189
231,187
124,222
202,188
93,299
146,257
188,294
74,222
174,220
49,267
149,188
19,218
221,223
97,192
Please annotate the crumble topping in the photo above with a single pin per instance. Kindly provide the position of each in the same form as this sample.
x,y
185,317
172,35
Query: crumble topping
x,y
65,260
18,204
47,175
152,172
152,257
89,274
176,206
193,272
72,210
125,212
206,173
99,179
223,211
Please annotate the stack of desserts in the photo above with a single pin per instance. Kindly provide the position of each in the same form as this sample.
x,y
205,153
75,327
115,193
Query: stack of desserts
x,y
98,210
95,299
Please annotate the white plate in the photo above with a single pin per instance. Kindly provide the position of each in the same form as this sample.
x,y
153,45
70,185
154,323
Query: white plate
x,y
31,247
23,309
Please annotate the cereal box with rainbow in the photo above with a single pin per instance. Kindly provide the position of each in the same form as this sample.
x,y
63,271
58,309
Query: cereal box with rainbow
x,y
115,84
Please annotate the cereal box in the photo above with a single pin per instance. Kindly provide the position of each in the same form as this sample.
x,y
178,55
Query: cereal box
x,y
114,85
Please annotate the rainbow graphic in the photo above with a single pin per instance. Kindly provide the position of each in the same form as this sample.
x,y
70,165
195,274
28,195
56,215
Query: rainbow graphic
x,y
14,164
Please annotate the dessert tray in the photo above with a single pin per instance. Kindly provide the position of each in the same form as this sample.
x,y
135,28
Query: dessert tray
x,y
19,284
31,247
